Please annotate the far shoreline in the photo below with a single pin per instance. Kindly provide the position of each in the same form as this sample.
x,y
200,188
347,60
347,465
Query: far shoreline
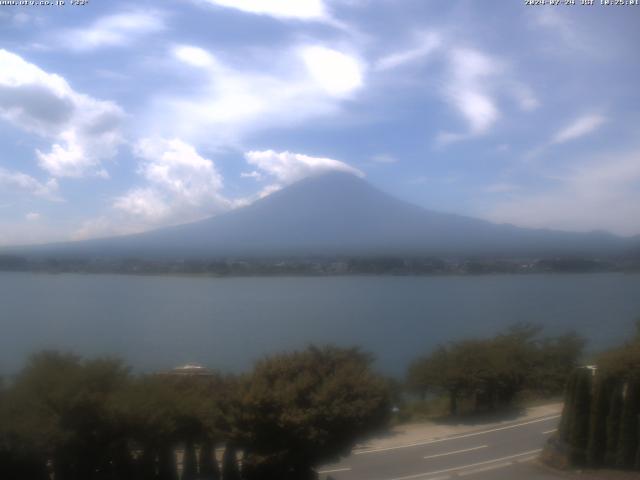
x,y
312,275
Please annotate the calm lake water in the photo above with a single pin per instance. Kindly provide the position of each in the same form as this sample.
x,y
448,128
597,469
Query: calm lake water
x,y
160,322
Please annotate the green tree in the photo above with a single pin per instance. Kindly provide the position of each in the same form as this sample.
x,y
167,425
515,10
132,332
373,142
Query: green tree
x,y
513,359
207,462
597,444
189,462
149,406
637,459
613,424
568,409
61,407
230,469
490,371
579,435
622,363
303,408
628,442
439,373
18,458
556,358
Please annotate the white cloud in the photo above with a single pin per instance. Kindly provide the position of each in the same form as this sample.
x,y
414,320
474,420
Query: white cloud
x,y
467,90
176,167
181,185
70,158
282,9
557,21
573,38
562,35
525,97
193,56
26,183
427,44
335,72
117,30
384,158
85,130
287,167
253,174
580,127
602,194
33,216
107,226
473,85
228,103
145,203
265,192
443,139
21,19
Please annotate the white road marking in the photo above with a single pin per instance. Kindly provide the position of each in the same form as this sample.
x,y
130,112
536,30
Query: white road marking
x,y
527,459
335,470
549,431
429,442
463,467
456,451
442,477
485,469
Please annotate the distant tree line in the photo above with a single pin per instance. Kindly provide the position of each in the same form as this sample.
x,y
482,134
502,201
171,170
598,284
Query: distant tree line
x,y
600,425
322,265
70,418
491,372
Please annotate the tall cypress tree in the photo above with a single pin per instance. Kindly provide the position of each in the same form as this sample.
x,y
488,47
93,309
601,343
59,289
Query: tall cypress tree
x,y
613,425
637,462
167,469
579,434
208,464
230,463
629,425
569,408
189,462
598,421
145,464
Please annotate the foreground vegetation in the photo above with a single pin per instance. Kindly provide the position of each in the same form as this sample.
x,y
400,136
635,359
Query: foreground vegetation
x,y
84,419
600,425
487,374
91,419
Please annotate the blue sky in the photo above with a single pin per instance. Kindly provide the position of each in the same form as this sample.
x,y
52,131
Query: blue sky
x,y
118,117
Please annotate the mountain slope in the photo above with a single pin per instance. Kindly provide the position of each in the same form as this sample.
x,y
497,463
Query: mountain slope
x,y
335,214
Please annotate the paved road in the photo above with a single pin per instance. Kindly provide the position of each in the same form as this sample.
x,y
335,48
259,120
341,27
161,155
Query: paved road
x,y
504,452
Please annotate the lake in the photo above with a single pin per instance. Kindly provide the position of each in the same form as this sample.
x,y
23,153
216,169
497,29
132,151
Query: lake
x,y
156,322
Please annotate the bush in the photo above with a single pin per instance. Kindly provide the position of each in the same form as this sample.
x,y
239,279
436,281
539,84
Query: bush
x,y
304,408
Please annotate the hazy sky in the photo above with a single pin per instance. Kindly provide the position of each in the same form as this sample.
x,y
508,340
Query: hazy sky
x,y
123,116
